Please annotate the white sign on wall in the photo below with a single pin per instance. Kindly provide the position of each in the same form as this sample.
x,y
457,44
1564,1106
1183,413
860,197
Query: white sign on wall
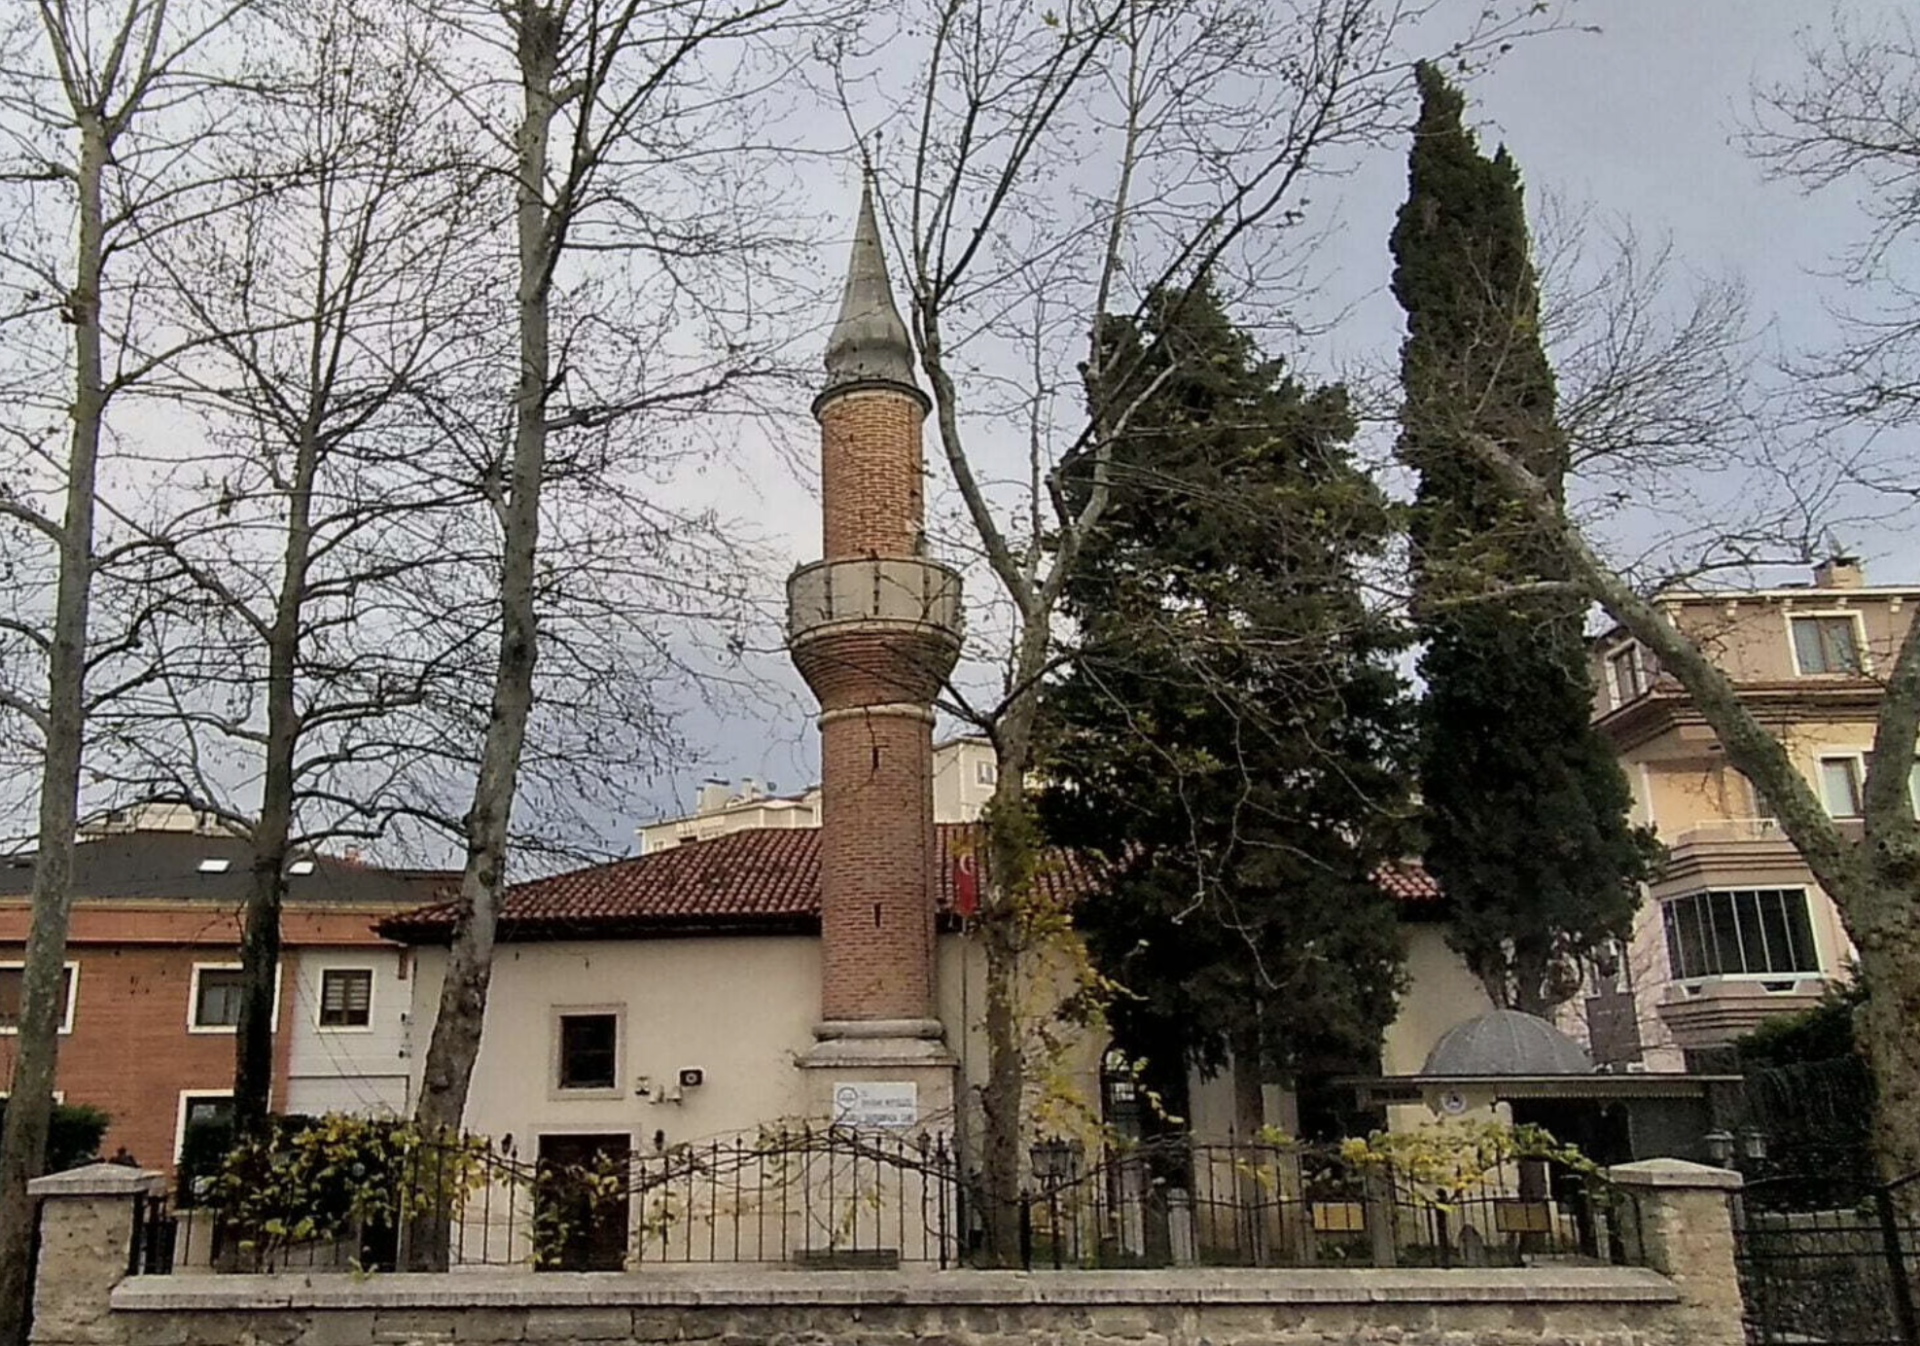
x,y
882,1104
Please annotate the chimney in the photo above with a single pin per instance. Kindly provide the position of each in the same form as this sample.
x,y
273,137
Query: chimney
x,y
714,794
1840,572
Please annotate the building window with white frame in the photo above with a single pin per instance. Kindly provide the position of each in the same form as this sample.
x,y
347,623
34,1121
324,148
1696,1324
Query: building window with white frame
x,y
346,997
985,773
218,989
1840,785
1631,671
1739,932
1827,644
13,987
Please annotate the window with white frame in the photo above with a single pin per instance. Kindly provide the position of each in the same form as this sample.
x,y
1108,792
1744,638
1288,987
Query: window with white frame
x,y
985,773
1740,932
13,985
218,989
346,997
202,1108
1828,643
1631,671
1840,784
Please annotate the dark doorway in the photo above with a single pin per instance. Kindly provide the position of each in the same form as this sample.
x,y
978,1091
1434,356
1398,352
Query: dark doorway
x,y
579,1230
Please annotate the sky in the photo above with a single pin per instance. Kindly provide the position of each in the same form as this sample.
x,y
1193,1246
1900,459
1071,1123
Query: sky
x,y
1638,120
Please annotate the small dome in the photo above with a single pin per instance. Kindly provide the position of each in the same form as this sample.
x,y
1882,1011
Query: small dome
x,y
1506,1042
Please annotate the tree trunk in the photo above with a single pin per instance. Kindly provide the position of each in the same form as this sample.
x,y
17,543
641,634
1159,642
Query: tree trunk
x,y
23,1142
463,998
260,941
1010,860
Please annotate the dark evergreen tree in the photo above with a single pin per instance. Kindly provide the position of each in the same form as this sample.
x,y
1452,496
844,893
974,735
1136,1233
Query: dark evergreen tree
x,y
1233,742
1526,807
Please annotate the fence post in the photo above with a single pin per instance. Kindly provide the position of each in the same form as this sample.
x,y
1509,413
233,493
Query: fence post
x,y
87,1223
1896,1266
1682,1227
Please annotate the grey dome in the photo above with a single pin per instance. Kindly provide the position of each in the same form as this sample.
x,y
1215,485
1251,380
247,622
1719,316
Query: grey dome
x,y
1506,1042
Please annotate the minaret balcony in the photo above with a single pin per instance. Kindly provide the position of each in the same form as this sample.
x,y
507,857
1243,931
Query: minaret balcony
x,y
874,594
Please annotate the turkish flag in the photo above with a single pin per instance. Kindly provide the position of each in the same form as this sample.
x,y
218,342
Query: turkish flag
x,y
966,885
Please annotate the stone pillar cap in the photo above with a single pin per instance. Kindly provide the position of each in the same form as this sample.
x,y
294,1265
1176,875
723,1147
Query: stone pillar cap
x,y
99,1180
1675,1173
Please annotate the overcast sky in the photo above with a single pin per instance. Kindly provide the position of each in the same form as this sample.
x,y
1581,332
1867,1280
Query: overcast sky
x,y
1639,121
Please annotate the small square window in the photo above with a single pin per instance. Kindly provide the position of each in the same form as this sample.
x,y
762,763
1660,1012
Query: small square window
x,y
216,997
589,1050
346,997
1826,644
985,773
13,984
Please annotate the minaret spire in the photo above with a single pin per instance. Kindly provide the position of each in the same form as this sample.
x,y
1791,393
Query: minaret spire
x,y
869,342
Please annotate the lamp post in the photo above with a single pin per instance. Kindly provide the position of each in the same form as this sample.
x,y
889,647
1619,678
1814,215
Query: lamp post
x,y
1719,1142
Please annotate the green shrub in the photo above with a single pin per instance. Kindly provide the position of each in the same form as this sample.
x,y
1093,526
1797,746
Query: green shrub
x,y
73,1137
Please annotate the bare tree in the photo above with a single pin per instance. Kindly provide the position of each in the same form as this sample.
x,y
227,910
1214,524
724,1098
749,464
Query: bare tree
x,y
98,103
628,122
1053,169
1852,119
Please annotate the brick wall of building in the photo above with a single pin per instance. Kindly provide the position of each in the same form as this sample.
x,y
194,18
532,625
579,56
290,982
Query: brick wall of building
x,y
130,1051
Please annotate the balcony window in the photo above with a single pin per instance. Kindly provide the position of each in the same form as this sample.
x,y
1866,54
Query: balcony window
x,y
1740,932
1827,644
1840,781
1631,670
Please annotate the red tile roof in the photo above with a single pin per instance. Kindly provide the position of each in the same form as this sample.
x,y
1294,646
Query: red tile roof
x,y
1408,881
764,879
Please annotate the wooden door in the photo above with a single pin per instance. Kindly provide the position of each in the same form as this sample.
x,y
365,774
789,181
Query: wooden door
x,y
589,1233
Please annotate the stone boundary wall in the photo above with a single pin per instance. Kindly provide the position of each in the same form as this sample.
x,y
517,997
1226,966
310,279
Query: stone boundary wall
x,y
1575,1307
1687,1296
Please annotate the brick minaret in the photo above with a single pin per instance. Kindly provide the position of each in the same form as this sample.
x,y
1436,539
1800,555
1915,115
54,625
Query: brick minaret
x,y
875,629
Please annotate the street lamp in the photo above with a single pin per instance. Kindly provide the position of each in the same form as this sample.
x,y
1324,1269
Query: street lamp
x,y
1720,1147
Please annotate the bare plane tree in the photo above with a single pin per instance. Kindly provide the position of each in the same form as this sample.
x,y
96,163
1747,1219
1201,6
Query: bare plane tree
x,y
631,138
97,112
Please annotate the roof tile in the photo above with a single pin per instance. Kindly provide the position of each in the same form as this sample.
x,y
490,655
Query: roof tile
x,y
758,877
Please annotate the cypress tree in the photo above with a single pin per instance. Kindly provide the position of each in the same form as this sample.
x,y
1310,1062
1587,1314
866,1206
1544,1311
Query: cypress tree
x,y
1525,807
1233,741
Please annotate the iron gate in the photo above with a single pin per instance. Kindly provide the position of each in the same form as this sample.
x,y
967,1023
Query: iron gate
x,y
1828,1261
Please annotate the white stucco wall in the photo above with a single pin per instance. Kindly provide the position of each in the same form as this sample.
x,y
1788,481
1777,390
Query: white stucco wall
x,y
742,1010
739,1009
363,1070
1441,992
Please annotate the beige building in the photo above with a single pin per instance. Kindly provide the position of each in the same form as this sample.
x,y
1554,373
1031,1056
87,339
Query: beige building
x,y
964,773
671,997
1736,929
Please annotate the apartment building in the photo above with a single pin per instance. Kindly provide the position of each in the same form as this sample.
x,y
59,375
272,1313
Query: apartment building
x,y
1736,929
964,773
153,981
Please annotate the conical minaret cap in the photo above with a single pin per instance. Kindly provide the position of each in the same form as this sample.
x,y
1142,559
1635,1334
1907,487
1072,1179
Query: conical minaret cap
x,y
869,342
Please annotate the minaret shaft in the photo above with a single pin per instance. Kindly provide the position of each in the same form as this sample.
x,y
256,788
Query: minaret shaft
x,y
875,629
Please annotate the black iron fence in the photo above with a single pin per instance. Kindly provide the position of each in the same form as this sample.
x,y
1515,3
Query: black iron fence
x,y
1823,1258
841,1198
